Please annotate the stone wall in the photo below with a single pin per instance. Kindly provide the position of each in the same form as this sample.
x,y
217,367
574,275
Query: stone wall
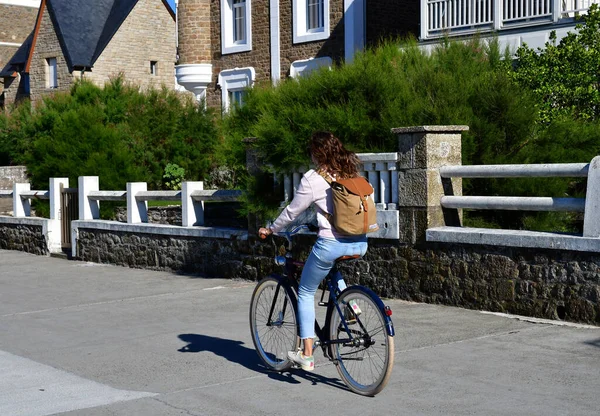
x,y
209,257
23,237
552,284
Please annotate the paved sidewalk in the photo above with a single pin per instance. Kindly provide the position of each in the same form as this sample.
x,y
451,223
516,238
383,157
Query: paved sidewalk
x,y
86,339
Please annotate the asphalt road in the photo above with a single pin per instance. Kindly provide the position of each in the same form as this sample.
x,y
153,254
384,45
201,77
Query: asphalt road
x,y
86,339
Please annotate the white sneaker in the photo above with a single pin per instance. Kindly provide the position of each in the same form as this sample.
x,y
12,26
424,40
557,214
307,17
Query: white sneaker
x,y
307,363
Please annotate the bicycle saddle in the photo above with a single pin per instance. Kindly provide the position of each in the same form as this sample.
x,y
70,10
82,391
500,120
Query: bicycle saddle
x,y
344,258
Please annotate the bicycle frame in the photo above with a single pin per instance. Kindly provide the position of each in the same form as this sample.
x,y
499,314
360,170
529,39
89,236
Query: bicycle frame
x,y
290,280
323,339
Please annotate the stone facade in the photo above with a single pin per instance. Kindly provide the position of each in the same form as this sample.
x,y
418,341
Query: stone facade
x,y
200,22
147,34
47,46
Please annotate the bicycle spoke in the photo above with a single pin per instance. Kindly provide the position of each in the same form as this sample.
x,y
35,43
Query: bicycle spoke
x,y
365,357
273,323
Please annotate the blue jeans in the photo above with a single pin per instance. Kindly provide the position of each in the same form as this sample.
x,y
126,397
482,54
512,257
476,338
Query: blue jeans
x,y
319,263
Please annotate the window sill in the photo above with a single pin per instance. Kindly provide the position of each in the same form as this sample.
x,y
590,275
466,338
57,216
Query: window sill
x,y
226,50
311,36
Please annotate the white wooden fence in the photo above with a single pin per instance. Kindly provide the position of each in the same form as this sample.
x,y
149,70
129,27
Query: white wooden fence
x,y
447,17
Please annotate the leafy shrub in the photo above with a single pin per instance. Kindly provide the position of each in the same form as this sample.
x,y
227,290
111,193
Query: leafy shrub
x,y
173,176
390,86
564,76
118,133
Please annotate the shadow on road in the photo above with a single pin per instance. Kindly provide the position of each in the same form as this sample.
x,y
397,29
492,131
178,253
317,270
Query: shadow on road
x,y
236,352
595,343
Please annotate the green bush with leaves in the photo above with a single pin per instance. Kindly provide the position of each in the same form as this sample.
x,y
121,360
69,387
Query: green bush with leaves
x,y
564,76
118,132
390,86
173,177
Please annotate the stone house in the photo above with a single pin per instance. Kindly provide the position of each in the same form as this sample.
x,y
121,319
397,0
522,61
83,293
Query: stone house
x,y
94,40
17,17
228,45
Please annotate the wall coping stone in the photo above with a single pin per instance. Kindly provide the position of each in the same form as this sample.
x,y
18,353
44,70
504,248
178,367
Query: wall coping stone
x,y
162,229
426,129
23,220
513,238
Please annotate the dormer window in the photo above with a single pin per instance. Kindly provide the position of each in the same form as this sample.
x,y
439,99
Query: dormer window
x,y
51,73
310,20
236,26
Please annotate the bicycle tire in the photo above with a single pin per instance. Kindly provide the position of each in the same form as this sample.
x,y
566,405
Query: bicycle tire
x,y
272,342
365,366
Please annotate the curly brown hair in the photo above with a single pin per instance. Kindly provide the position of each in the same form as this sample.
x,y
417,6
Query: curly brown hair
x,y
329,153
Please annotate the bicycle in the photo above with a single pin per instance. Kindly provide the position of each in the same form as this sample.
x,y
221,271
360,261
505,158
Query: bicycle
x,y
350,340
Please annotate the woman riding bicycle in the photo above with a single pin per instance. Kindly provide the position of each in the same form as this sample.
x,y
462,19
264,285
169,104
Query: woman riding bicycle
x,y
330,158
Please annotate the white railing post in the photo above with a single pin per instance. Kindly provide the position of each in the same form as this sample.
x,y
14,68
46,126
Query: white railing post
x,y
556,10
88,209
498,14
591,219
54,236
55,196
21,207
384,184
137,211
288,187
424,19
373,179
192,212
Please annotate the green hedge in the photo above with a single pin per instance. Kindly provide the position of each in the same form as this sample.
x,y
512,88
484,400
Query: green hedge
x,y
118,133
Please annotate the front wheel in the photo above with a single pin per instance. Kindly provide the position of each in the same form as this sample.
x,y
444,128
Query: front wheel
x,y
365,358
273,323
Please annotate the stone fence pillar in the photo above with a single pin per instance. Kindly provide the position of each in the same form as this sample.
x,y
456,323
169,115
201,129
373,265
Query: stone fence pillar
x,y
422,151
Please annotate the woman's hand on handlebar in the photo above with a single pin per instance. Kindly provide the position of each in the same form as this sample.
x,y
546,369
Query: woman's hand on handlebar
x,y
264,232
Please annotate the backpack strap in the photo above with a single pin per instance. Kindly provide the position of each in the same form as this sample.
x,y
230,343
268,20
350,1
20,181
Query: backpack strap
x,y
328,179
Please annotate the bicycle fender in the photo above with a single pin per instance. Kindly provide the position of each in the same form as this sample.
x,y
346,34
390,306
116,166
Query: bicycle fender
x,y
389,325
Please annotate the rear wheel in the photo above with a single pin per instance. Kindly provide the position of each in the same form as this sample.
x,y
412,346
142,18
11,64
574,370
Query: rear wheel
x,y
273,323
365,359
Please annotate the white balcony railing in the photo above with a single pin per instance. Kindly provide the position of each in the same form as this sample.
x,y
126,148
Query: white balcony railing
x,y
378,168
456,17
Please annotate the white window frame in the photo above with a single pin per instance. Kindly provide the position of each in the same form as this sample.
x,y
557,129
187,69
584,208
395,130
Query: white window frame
x,y
301,33
228,45
234,80
51,73
305,66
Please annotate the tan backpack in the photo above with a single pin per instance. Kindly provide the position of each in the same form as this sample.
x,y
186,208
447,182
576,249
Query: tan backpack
x,y
354,211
